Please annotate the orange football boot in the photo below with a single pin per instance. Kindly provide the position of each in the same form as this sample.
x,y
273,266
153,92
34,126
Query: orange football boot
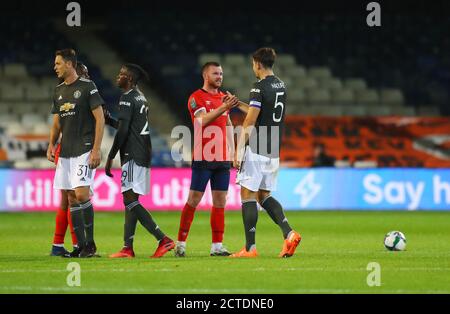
x,y
245,253
165,245
290,244
124,252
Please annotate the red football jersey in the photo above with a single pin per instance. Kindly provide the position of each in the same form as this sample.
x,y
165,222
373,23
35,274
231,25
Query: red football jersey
x,y
210,142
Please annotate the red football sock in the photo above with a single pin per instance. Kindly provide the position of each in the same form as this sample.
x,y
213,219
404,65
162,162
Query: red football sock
x,y
61,226
217,224
72,233
187,215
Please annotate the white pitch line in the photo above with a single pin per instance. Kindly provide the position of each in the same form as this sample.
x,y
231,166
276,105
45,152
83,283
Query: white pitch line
x,y
259,269
211,291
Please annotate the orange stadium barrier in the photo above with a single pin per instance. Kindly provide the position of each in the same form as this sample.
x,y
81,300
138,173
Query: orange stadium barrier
x,y
388,141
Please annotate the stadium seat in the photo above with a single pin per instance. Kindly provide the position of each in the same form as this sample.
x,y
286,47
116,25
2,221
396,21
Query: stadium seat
x,y
23,164
294,72
319,72
4,108
233,82
342,96
367,97
42,128
16,128
365,164
379,110
37,92
11,92
428,111
41,163
355,84
354,110
285,61
327,110
305,82
318,96
235,60
391,96
208,57
296,95
403,111
5,119
32,119
22,108
330,83
14,71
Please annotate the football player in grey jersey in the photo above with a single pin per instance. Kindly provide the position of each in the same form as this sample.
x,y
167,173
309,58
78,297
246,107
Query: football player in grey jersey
x,y
257,154
133,141
78,116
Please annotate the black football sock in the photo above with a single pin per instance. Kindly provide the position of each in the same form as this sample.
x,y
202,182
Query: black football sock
x,y
275,211
88,214
250,217
129,228
78,224
145,219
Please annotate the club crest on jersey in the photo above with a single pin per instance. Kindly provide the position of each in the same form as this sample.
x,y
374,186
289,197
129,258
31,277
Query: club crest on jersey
x,y
77,94
193,103
66,107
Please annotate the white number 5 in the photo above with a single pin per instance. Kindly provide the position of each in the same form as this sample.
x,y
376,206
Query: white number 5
x,y
277,104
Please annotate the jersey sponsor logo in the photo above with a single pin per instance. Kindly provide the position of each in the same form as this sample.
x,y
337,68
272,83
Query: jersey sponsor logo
x,y
193,103
255,90
125,103
66,107
92,92
208,102
77,94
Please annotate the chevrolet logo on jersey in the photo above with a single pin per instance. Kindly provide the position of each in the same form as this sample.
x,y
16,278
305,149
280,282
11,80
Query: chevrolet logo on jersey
x,y
66,107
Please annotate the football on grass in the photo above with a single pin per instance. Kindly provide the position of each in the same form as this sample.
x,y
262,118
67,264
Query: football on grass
x,y
395,241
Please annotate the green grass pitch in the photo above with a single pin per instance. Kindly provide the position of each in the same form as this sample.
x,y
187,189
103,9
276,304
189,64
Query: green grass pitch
x,y
332,258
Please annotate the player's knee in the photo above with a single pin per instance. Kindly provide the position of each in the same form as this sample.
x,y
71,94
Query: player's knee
x,y
194,199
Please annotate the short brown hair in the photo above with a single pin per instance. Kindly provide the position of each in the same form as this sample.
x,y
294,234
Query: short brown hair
x,y
68,55
266,56
208,64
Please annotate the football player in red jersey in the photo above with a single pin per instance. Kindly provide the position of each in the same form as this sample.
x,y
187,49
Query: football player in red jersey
x,y
211,162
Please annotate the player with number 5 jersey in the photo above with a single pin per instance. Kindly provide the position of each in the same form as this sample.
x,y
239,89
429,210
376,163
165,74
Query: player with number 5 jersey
x,y
258,154
133,141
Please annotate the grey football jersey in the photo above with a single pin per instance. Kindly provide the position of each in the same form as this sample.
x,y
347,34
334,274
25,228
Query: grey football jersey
x,y
269,95
133,106
74,104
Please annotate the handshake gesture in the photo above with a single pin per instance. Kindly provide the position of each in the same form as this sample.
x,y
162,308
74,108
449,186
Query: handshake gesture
x,y
230,101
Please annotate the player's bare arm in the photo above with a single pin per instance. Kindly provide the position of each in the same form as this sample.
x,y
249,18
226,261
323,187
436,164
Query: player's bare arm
x,y
95,157
249,122
54,135
228,103
242,106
